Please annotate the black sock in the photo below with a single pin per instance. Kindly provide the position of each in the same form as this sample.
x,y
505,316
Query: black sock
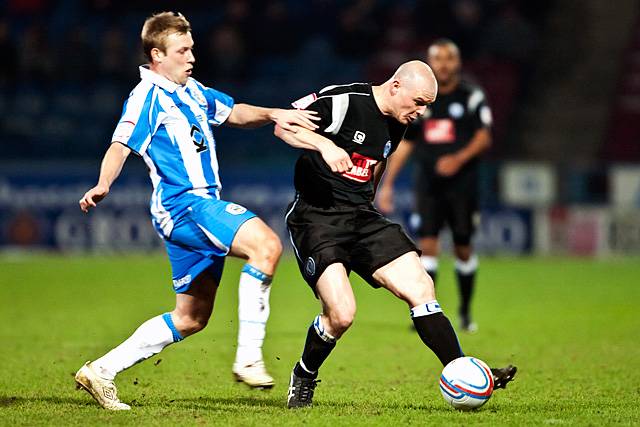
x,y
465,286
316,350
433,274
436,332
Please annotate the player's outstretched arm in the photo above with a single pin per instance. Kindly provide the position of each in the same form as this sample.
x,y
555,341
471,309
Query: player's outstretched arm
x,y
395,163
110,169
336,158
249,116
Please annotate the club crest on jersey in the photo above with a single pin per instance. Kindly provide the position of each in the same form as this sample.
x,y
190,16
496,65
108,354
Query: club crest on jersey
x,y
456,110
359,137
387,149
199,98
310,267
235,209
362,169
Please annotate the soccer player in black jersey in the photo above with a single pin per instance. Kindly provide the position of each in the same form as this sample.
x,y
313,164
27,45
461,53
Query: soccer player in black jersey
x,y
335,228
446,142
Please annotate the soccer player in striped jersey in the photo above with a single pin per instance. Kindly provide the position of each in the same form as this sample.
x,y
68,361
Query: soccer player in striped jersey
x,y
168,120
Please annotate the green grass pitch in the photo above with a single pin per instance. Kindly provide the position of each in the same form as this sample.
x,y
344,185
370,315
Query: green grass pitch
x,y
572,326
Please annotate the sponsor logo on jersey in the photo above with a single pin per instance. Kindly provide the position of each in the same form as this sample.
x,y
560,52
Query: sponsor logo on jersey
x,y
362,169
182,281
456,110
310,267
439,131
387,149
359,137
305,101
235,209
198,139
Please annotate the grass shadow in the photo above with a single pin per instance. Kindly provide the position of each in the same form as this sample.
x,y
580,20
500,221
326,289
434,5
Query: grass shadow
x,y
279,402
8,401
238,402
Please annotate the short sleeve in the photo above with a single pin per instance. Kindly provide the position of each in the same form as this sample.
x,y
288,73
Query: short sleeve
x,y
137,123
479,110
219,104
322,105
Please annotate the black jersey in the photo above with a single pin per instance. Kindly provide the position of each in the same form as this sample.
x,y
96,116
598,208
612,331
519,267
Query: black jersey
x,y
350,117
446,127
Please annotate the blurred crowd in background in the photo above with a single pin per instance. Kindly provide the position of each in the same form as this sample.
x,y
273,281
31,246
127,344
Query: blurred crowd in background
x,y
562,78
68,64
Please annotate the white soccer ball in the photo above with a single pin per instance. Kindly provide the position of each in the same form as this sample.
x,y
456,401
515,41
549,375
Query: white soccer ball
x,y
466,383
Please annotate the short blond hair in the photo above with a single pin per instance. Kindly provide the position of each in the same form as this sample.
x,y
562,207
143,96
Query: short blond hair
x,y
158,27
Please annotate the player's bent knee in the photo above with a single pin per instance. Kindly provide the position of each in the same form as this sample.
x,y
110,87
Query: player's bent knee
x,y
189,325
340,322
275,246
269,248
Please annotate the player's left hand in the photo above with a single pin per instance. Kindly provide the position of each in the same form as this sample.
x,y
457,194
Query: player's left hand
x,y
289,119
448,165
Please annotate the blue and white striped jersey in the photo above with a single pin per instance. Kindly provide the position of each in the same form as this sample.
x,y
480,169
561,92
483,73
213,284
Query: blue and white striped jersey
x,y
170,126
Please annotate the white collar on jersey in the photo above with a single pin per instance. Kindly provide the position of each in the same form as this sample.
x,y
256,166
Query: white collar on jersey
x,y
157,79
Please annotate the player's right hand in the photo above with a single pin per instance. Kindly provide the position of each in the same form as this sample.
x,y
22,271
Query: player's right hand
x,y
92,197
384,198
336,158
290,119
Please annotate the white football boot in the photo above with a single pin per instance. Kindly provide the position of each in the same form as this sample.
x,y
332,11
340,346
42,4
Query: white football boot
x,y
254,375
103,391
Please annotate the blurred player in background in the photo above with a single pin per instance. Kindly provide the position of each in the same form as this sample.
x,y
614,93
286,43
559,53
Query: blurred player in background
x,y
168,120
446,142
335,229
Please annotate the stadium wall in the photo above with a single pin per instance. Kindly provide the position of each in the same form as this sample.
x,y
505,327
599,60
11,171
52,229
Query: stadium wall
x,y
39,210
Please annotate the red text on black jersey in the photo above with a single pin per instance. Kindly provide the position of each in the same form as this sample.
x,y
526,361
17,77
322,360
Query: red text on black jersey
x,y
362,169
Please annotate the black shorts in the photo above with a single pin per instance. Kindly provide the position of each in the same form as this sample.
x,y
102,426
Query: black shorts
x,y
458,209
359,237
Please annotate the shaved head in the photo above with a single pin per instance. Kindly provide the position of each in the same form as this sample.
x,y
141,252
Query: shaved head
x,y
416,75
407,93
